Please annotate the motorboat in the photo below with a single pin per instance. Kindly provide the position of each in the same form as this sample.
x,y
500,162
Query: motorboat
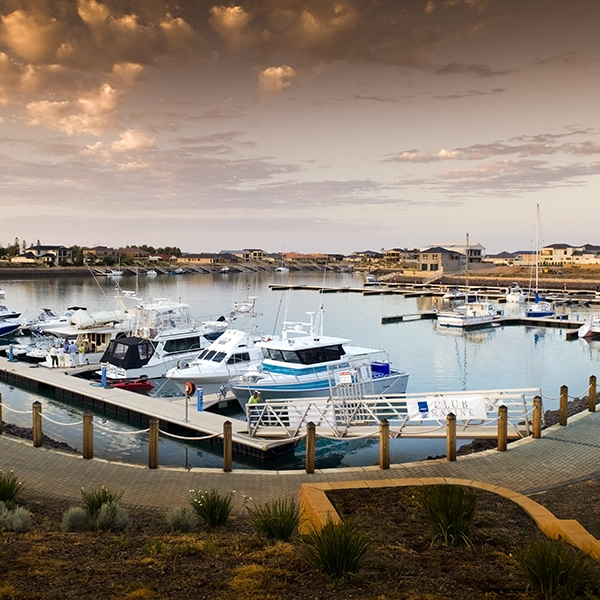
x,y
113,273
471,314
370,278
178,271
515,294
151,273
590,328
164,334
232,353
8,327
6,313
47,319
303,362
225,270
282,269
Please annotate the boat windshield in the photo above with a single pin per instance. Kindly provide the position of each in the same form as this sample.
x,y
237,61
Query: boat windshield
x,y
306,356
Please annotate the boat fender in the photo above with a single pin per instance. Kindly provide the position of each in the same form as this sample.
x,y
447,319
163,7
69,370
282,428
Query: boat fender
x,y
189,388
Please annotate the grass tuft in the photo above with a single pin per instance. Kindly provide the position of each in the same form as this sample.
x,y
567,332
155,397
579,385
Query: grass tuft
x,y
10,486
450,510
276,520
94,499
180,520
212,506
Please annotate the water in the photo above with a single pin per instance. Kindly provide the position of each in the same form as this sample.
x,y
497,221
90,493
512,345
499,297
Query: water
x,y
437,359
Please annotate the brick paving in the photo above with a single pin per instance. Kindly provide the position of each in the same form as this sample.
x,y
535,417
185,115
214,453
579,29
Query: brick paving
x,y
563,455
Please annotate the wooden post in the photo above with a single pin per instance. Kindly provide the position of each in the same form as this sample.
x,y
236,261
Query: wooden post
x,y
384,444
153,444
451,436
592,394
88,435
564,402
536,427
37,424
0,414
227,447
502,428
311,438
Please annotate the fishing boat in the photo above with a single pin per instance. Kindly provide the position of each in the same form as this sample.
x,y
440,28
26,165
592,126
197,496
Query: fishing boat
x,y
471,314
515,294
539,307
590,328
305,363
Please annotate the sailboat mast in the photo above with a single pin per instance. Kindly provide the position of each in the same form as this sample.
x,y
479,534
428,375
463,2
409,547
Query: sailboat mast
x,y
537,245
467,263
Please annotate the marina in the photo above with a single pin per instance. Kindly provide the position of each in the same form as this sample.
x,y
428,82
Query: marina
x,y
437,360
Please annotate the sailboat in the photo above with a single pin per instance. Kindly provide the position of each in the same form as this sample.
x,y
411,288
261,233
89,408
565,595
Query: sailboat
x,y
539,308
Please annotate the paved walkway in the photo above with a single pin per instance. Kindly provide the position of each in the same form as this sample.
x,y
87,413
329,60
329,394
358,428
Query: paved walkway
x,y
563,455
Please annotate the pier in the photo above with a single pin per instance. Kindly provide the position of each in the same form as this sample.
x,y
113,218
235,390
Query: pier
x,y
176,414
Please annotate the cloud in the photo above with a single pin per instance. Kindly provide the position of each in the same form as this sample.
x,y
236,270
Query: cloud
x,y
468,94
567,59
471,69
231,23
273,80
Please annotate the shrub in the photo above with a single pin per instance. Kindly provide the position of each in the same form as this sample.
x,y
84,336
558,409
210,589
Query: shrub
x,y
18,520
555,570
211,506
450,509
10,486
338,549
112,516
76,518
94,499
181,520
276,520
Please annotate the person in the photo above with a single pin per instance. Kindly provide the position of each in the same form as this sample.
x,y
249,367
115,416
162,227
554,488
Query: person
x,y
82,354
254,399
73,353
61,356
54,356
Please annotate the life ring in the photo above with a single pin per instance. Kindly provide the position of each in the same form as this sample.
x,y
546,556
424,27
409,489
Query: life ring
x,y
189,388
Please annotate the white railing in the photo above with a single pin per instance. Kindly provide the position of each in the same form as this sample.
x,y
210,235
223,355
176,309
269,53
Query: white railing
x,y
348,416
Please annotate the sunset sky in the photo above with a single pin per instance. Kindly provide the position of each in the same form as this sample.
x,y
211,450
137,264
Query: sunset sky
x,y
308,126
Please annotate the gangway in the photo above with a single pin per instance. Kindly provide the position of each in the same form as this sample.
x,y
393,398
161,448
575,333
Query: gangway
x,y
349,413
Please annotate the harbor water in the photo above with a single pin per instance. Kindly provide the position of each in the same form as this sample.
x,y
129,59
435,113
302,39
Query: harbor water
x,y
437,359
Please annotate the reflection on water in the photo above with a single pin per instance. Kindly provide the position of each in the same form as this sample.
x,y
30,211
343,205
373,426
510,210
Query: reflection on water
x,y
438,359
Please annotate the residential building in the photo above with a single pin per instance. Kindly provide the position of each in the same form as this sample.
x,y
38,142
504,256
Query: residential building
x,y
441,260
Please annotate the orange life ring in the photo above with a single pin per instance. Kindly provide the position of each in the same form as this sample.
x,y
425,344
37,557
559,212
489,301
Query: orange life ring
x,y
189,388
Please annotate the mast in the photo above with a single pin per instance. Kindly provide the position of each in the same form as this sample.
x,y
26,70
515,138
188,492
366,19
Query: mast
x,y
537,245
467,263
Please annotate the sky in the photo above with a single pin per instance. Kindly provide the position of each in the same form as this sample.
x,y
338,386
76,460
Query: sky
x,y
306,126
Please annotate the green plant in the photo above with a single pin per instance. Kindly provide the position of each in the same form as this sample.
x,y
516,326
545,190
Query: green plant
x,y
181,520
76,518
10,486
450,509
555,570
211,506
112,516
18,519
337,549
276,520
94,499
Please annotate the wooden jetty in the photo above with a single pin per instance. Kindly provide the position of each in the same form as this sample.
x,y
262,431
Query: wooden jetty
x,y
178,415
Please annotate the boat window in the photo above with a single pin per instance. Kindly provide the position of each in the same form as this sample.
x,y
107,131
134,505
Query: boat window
x,y
238,358
290,356
182,344
119,350
311,356
145,351
202,355
272,354
219,356
208,354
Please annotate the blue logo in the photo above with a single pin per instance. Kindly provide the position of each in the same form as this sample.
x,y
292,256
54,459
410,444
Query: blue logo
x,y
423,407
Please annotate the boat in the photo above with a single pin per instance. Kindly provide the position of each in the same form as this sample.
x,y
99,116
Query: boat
x,y
140,385
471,314
305,363
151,273
6,313
540,307
225,270
113,273
8,327
164,333
590,328
282,269
515,294
47,319
370,278
178,271
232,353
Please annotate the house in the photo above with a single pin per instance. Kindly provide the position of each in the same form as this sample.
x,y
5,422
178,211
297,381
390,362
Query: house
x,y
476,250
247,254
319,259
587,254
441,260
556,255
50,255
365,256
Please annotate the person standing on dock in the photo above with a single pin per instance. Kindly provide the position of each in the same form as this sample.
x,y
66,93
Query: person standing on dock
x,y
61,355
73,354
54,356
82,353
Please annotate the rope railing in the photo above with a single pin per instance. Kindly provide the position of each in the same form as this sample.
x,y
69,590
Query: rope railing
x,y
47,418
190,439
117,432
14,410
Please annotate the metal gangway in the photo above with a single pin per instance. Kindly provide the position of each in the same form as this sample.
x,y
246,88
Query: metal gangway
x,y
348,412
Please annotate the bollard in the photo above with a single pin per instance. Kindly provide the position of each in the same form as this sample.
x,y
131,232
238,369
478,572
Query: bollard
x,y
564,403
384,444
451,436
88,435
103,375
200,399
227,447
502,428
153,444
37,424
0,414
536,426
592,394
311,437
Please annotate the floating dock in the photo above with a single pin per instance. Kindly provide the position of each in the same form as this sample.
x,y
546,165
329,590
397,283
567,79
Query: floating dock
x,y
173,414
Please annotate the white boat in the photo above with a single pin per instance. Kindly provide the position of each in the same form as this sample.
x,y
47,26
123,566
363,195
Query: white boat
x,y
178,271
47,319
6,313
515,294
370,278
8,327
225,270
234,352
468,315
113,273
305,363
282,269
540,307
590,328
164,333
